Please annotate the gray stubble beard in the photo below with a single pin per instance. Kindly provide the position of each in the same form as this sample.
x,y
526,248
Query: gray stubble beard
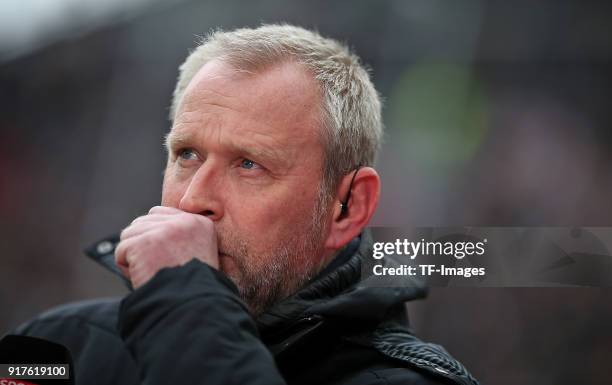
x,y
290,266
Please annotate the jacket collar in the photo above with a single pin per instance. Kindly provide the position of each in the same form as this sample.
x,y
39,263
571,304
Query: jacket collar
x,y
344,294
103,253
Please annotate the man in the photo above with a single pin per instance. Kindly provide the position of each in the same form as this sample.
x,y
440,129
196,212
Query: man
x,y
250,270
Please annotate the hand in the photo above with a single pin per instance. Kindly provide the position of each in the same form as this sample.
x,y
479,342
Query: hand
x,y
165,237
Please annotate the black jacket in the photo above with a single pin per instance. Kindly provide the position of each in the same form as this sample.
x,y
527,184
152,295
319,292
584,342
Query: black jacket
x,y
187,325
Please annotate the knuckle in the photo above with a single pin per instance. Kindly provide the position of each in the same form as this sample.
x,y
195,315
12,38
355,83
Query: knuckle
x,y
140,218
123,233
186,221
173,228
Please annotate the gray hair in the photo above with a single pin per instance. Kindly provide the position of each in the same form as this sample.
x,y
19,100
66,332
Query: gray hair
x,y
351,111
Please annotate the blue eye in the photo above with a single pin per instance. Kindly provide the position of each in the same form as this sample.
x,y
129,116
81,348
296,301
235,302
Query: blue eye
x,y
247,163
187,154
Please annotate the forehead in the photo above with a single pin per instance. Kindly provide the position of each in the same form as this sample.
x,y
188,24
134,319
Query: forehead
x,y
282,102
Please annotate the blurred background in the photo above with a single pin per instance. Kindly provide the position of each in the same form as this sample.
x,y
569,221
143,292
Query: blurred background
x,y
497,113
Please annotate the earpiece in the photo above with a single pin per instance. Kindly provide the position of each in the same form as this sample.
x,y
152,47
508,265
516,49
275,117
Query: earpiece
x,y
344,205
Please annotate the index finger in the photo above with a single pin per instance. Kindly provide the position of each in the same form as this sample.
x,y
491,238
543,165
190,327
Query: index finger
x,y
164,210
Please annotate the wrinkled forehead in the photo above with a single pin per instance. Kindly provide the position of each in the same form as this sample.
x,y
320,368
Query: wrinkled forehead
x,y
279,95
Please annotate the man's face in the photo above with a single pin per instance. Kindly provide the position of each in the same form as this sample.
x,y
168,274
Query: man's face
x,y
245,150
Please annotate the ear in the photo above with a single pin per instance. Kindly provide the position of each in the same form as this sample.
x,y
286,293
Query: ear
x,y
361,206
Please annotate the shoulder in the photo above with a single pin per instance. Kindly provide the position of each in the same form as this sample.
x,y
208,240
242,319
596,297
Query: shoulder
x,y
409,360
401,345
88,330
100,314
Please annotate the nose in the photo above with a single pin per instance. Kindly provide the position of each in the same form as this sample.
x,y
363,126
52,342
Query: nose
x,y
203,195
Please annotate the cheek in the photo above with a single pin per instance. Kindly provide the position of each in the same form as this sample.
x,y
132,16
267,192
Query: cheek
x,y
276,218
172,191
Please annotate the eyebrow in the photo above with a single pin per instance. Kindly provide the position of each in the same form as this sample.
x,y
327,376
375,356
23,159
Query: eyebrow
x,y
176,140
